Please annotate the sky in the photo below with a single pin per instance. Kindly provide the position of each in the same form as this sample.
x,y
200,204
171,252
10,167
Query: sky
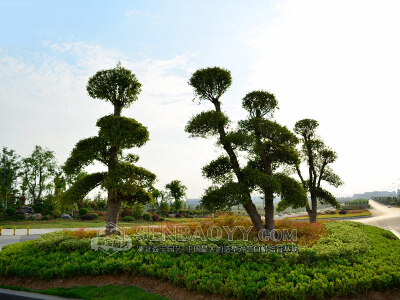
x,y
335,61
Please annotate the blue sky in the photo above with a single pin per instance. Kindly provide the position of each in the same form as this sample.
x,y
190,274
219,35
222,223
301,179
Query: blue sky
x,y
335,61
212,29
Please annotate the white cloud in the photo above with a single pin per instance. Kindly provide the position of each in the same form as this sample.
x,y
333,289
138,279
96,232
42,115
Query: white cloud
x,y
130,12
45,102
338,62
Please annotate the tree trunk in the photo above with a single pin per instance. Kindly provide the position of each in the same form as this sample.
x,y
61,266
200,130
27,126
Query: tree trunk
x,y
113,206
249,205
269,211
268,195
312,217
113,203
313,212
255,217
5,206
5,195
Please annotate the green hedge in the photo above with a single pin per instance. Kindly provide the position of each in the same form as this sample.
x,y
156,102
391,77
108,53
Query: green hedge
x,y
352,259
357,204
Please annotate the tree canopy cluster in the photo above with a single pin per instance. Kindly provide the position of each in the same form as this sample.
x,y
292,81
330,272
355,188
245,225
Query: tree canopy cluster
x,y
124,180
267,146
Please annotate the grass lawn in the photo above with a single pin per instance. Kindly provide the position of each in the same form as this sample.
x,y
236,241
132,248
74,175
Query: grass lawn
x,y
109,292
60,223
184,220
328,216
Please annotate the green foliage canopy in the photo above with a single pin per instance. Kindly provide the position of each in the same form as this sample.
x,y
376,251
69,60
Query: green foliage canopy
x,y
10,165
260,103
210,83
82,187
206,124
118,86
122,132
38,170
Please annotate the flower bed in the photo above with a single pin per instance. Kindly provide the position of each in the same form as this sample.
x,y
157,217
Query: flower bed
x,y
307,234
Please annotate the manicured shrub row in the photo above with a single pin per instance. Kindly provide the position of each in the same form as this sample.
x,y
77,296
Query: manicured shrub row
x,y
351,259
357,204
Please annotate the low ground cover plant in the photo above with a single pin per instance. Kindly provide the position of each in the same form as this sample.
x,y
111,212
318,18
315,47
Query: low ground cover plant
x,y
350,259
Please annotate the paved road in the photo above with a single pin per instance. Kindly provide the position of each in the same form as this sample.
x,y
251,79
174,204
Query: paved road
x,y
12,239
21,295
383,217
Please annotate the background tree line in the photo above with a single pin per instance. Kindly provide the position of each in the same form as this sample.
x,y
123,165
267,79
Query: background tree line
x,y
32,179
39,181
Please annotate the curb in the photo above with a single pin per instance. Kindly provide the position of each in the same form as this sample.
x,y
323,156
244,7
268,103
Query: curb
x,y
21,295
395,232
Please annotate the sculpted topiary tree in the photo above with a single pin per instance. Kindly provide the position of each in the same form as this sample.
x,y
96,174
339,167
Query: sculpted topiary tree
x,y
210,84
318,157
123,180
266,143
271,146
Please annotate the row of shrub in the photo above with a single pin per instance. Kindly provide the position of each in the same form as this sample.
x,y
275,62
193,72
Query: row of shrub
x,y
12,213
351,259
356,204
146,217
388,200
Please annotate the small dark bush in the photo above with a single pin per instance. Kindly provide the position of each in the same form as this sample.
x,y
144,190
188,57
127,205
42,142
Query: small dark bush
x,y
20,217
83,211
343,212
126,212
128,219
178,216
46,217
162,219
87,217
146,217
56,213
389,235
155,217
11,211
95,216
